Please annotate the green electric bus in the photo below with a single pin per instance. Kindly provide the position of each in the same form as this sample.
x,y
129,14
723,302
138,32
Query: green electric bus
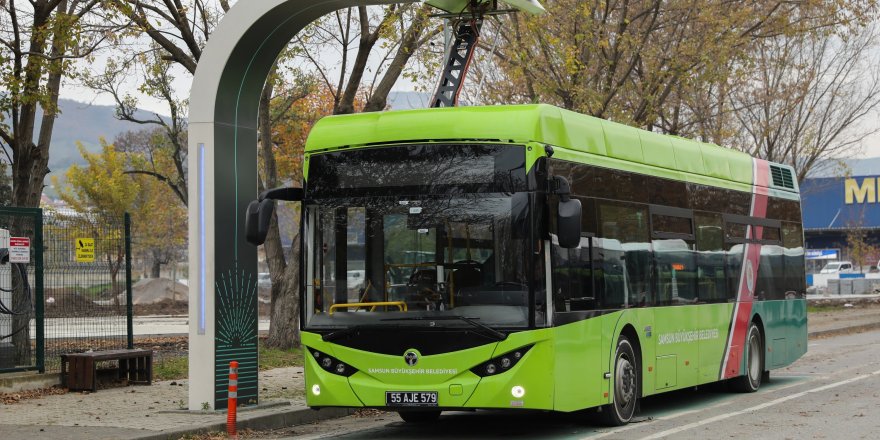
x,y
529,257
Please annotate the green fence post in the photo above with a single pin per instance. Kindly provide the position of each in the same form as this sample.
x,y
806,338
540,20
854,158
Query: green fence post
x,y
39,312
129,309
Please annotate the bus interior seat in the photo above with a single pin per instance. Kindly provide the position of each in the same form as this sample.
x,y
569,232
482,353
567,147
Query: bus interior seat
x,y
423,278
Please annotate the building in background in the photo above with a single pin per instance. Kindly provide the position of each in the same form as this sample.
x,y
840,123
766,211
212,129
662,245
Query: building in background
x,y
841,218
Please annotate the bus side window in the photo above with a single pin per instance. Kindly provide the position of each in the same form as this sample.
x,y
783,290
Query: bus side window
x,y
710,257
572,278
625,242
793,243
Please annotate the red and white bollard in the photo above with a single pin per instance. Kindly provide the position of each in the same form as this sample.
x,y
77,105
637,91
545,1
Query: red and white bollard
x,y
232,402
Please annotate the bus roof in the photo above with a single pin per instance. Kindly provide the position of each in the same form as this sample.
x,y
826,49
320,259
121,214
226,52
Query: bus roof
x,y
540,123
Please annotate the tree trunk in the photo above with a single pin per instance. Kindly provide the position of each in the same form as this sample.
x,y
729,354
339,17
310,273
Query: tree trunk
x,y
21,302
156,267
284,320
410,42
284,293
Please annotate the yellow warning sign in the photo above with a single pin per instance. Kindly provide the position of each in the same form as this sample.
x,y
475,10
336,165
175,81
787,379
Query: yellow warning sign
x,y
85,250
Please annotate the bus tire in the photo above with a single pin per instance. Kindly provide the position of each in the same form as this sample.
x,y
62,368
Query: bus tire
x,y
754,353
626,382
419,416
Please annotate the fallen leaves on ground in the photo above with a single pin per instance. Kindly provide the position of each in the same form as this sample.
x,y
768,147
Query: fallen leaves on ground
x,y
12,398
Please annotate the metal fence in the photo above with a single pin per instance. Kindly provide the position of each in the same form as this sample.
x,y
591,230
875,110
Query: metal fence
x,y
80,274
87,279
21,332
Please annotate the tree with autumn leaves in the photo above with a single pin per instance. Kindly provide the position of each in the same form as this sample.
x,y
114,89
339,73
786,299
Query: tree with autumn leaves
x,y
103,191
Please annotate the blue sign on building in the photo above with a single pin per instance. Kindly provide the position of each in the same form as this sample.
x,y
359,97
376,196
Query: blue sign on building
x,y
839,203
822,254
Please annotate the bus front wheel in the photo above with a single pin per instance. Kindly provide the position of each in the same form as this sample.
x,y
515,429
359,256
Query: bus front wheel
x,y
626,385
754,352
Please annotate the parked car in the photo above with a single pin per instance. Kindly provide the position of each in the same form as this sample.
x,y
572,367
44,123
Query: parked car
x,y
838,267
356,279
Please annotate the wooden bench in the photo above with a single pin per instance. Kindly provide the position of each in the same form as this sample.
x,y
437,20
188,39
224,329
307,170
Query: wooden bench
x,y
135,365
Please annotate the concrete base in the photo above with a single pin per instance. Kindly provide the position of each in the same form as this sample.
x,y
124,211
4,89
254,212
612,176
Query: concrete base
x,y
15,382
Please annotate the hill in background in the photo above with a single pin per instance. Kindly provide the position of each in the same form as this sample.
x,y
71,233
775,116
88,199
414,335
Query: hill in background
x,y
85,123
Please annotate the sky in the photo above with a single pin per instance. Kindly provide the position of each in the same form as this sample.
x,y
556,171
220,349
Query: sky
x,y
870,146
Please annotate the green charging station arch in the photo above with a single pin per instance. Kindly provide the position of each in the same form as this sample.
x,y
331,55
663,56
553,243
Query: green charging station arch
x,y
222,168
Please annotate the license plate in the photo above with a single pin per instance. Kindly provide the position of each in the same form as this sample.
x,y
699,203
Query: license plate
x,y
411,398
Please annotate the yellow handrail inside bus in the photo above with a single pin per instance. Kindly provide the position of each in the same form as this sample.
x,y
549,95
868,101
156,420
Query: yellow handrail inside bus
x,y
372,305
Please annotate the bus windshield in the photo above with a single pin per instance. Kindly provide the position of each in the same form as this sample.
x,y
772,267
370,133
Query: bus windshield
x,y
378,260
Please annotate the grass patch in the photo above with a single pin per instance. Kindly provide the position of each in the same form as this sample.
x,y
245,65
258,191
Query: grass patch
x,y
171,368
177,367
819,309
279,358
96,291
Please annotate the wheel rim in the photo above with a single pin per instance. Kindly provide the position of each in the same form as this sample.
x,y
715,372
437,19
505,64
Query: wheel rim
x,y
625,383
754,358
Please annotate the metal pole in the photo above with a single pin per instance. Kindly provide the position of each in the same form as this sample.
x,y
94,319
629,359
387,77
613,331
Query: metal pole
x,y
39,303
128,306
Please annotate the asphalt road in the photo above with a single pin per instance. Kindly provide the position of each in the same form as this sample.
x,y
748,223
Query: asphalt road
x,y
831,393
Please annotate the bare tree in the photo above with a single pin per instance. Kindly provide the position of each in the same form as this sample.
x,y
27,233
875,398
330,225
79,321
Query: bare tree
x,y
807,98
397,30
641,62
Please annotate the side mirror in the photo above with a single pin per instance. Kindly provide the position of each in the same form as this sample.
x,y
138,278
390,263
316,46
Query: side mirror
x,y
568,214
259,212
256,222
568,223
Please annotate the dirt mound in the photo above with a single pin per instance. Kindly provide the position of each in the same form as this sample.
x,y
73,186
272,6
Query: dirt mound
x,y
68,302
163,307
154,290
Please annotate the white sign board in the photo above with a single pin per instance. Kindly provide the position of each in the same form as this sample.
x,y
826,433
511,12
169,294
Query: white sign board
x,y
19,250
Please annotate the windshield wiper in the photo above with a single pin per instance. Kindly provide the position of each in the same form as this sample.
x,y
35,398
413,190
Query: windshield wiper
x,y
495,334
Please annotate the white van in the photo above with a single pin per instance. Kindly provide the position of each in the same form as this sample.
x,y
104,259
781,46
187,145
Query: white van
x,y
838,267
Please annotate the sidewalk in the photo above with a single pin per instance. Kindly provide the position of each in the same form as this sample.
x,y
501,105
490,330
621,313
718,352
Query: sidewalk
x,y
155,412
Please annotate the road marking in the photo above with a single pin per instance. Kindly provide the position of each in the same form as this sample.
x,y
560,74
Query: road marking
x,y
757,407
692,411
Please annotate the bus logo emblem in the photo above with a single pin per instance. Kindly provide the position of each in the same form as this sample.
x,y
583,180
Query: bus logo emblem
x,y
411,358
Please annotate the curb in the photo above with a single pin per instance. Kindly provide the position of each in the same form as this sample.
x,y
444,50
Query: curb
x,y
15,382
836,331
278,420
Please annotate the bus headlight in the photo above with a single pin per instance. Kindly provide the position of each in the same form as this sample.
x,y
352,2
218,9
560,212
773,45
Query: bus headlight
x,y
316,389
500,364
330,364
518,392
